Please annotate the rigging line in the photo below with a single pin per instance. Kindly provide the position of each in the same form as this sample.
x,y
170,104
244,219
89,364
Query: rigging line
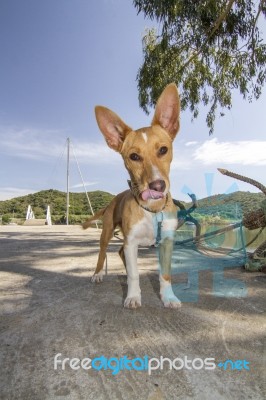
x,y
210,234
58,160
255,237
83,183
225,250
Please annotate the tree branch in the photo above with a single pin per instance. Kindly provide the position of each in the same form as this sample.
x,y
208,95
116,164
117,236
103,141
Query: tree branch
x,y
254,27
221,18
216,26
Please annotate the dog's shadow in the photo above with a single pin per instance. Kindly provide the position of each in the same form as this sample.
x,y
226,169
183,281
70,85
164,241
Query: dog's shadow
x,y
153,278
154,281
123,283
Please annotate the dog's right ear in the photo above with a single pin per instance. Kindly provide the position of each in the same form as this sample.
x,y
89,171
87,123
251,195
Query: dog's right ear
x,y
167,110
112,127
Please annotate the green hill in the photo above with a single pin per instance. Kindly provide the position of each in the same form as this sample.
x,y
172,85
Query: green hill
x,y
210,209
227,206
78,211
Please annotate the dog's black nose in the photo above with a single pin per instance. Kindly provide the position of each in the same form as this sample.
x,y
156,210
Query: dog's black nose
x,y
158,185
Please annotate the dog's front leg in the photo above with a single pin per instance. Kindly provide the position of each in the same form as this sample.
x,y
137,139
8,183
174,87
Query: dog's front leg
x,y
165,259
133,299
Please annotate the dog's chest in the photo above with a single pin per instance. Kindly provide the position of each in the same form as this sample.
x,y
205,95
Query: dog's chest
x,y
143,232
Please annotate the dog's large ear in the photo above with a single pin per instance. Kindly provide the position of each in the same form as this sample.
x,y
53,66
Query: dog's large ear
x,y
167,110
112,127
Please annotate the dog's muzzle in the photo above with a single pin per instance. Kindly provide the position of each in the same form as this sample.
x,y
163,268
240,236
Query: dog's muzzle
x,y
155,191
158,185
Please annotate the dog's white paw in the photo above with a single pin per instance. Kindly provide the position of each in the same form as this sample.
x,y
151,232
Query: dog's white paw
x,y
171,301
132,302
167,295
97,278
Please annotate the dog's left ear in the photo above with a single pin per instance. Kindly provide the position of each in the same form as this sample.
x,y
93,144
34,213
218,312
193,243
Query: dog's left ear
x,y
167,110
113,128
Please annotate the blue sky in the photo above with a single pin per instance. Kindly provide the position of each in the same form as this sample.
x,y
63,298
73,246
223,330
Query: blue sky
x,y
59,58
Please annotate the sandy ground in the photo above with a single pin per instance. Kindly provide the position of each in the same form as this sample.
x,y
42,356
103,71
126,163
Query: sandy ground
x,y
49,306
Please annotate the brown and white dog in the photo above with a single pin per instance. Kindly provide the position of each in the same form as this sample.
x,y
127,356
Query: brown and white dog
x,y
147,154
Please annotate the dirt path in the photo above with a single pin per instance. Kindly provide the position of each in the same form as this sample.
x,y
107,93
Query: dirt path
x,y
49,306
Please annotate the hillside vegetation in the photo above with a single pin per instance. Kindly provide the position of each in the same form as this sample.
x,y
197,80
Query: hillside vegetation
x,y
211,209
227,207
78,211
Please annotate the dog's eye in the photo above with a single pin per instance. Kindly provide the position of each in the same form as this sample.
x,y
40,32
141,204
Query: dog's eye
x,y
163,150
134,157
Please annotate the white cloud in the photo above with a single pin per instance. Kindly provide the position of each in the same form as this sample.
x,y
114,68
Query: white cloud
x,y
37,144
80,185
30,143
193,143
182,157
237,152
7,193
180,163
95,153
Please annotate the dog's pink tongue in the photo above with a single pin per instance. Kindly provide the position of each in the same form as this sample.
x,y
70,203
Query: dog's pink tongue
x,y
148,194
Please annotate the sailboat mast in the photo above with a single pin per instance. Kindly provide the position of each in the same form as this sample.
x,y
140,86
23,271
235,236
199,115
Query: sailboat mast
x,y
67,199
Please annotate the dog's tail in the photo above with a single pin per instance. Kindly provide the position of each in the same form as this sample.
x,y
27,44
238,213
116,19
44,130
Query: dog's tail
x,y
98,215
